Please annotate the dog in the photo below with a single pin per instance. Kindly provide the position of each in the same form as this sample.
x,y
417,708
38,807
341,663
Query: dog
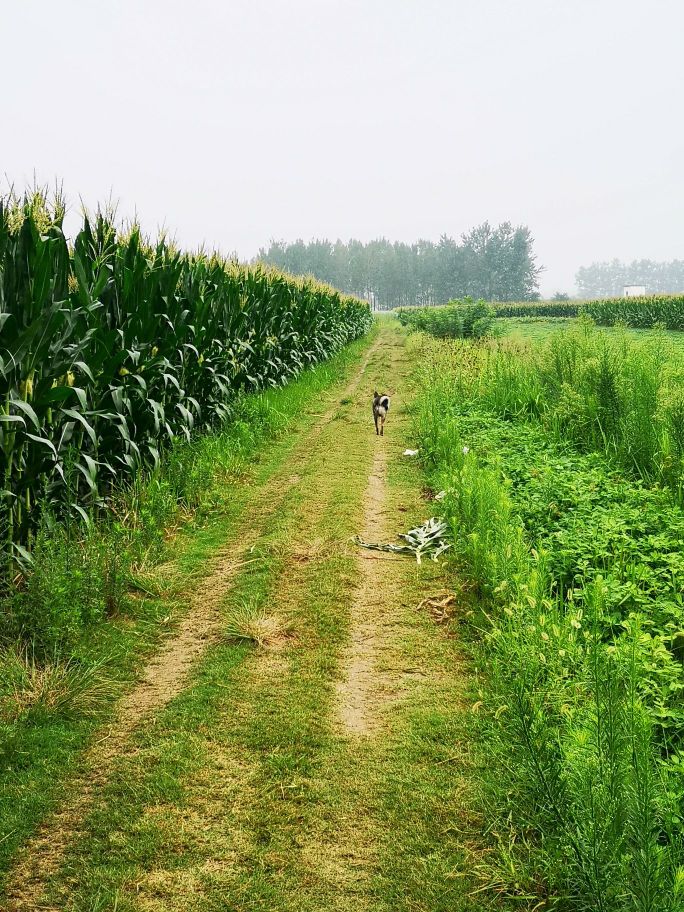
x,y
381,406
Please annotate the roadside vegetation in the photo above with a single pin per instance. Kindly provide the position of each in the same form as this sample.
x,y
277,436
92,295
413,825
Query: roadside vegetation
x,y
562,474
637,312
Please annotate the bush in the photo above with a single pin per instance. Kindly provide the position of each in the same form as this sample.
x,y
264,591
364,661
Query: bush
x,y
455,320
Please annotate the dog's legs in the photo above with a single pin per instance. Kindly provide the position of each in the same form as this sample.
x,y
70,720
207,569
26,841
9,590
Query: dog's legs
x,y
375,418
382,426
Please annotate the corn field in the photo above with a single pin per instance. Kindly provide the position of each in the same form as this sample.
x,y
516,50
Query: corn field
x,y
112,347
639,312
537,308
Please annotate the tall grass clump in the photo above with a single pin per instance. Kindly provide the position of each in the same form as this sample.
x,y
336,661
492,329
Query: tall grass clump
x,y
113,347
34,689
579,573
605,392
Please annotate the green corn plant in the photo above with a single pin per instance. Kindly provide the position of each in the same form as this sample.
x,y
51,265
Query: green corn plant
x,y
639,312
113,347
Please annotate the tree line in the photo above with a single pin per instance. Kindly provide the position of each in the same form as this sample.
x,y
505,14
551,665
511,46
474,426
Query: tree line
x,y
497,264
607,280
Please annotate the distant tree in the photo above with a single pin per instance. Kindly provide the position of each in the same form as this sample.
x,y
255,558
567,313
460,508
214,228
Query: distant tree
x,y
561,296
492,263
607,279
500,264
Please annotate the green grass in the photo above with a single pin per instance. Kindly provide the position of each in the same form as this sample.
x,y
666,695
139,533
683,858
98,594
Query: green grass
x,y
615,391
37,752
537,329
530,329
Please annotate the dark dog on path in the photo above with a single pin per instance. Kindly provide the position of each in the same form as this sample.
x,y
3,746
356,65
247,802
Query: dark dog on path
x,y
380,409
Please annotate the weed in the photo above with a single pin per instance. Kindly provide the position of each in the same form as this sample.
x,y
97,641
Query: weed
x,y
579,567
455,320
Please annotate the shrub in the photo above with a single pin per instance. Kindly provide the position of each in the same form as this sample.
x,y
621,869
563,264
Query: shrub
x,y
455,320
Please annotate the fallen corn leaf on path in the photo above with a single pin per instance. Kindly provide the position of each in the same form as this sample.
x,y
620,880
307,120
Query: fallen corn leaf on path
x,y
327,767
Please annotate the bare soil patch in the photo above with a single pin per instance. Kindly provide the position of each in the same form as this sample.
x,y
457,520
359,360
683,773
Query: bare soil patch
x,y
365,687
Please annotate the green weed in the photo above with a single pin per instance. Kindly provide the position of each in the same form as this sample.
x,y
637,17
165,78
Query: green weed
x,y
580,571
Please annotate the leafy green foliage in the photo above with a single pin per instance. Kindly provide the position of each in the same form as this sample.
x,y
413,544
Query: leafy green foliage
x,y
581,568
639,312
491,263
455,320
78,577
605,392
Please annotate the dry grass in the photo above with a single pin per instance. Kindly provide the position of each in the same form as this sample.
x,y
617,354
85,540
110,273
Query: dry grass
x,y
440,607
256,625
66,689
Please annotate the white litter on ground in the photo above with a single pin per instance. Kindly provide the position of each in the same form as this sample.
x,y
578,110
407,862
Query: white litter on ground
x,y
428,539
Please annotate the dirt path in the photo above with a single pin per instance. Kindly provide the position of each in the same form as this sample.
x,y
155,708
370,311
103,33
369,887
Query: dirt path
x,y
361,689
271,779
165,676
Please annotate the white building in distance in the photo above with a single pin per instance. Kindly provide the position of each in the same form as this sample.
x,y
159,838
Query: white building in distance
x,y
633,291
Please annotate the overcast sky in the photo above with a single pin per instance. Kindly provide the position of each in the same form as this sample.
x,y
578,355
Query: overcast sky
x,y
239,121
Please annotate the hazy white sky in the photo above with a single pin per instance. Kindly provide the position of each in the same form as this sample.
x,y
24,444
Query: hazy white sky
x,y
234,122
